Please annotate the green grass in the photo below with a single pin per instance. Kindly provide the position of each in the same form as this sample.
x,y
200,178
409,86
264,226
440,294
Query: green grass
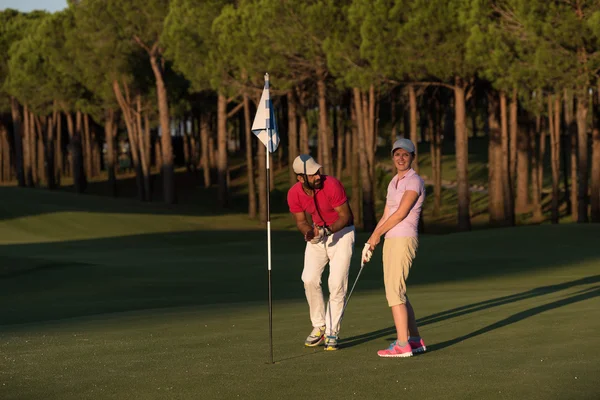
x,y
112,299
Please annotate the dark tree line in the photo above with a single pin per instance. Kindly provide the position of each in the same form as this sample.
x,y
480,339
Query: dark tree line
x,y
162,75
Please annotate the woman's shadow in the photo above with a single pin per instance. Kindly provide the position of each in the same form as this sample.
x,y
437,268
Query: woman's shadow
x,y
499,301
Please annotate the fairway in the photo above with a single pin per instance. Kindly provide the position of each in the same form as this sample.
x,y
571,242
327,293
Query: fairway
x,y
107,299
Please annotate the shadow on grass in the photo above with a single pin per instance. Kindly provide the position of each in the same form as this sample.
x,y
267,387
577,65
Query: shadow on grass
x,y
585,295
487,304
49,281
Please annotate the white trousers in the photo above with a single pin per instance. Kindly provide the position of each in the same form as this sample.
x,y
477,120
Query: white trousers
x,y
337,251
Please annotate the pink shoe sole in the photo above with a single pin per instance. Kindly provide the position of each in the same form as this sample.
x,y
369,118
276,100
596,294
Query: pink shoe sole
x,y
399,355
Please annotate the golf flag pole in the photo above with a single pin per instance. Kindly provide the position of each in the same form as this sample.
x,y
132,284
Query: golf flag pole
x,y
265,128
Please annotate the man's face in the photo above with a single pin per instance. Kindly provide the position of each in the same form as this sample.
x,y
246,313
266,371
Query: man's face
x,y
314,181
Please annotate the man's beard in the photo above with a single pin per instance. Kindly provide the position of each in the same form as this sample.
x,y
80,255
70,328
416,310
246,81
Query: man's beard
x,y
317,185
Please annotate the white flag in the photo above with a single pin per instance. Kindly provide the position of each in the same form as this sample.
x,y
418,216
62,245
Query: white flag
x,y
265,126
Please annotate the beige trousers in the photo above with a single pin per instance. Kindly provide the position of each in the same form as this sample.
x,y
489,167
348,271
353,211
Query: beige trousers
x,y
337,251
398,256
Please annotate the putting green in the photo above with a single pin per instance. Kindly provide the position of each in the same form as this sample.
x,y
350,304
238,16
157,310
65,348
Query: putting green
x,y
163,305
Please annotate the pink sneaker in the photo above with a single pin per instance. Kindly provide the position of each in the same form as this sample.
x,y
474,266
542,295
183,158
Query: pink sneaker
x,y
417,346
396,351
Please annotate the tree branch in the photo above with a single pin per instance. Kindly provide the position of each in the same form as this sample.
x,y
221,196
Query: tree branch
x,y
142,44
235,110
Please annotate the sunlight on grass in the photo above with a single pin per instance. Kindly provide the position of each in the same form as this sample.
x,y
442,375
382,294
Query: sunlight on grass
x,y
78,225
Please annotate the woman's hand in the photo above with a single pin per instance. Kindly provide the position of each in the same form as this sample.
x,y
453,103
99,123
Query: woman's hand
x,y
374,240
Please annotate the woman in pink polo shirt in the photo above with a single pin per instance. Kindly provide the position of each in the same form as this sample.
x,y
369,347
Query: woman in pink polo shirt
x,y
399,223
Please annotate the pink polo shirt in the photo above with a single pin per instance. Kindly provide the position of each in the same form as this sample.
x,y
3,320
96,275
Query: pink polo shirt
x,y
332,195
409,226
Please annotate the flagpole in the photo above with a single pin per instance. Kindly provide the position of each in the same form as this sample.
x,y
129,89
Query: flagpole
x,y
265,128
269,133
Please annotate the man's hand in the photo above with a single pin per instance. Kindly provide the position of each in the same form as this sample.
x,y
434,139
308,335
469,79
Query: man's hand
x,y
367,253
314,235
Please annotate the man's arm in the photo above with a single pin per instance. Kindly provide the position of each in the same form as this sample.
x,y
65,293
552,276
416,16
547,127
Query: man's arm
x,y
302,224
344,215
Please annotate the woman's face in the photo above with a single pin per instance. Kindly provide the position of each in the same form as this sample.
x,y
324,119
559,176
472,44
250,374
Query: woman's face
x,y
402,160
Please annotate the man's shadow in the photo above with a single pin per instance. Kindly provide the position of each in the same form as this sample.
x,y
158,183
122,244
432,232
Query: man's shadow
x,y
499,301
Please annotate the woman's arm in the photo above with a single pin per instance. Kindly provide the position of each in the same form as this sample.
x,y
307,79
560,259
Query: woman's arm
x,y
409,199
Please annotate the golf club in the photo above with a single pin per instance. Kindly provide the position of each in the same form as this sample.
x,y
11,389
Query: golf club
x,y
362,265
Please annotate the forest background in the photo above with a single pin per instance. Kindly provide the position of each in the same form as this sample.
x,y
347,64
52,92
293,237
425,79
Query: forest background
x,y
502,98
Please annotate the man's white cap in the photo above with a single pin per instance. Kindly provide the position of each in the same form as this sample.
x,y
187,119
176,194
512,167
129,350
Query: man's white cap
x,y
305,164
405,144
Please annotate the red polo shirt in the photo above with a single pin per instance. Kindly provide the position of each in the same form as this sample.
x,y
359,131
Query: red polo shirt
x,y
332,195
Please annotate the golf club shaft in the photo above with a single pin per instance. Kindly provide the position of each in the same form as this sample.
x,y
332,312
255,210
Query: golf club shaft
x,y
349,295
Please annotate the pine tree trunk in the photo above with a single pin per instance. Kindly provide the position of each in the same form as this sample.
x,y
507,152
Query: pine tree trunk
x,y
495,162
222,150
60,159
76,157
462,156
324,147
433,156
252,207
571,133
355,200
537,169
393,117
595,178
304,147
370,133
143,151
33,150
26,148
554,120
522,202
507,188
363,147
18,141
514,128
71,133
187,158
349,154
340,143
49,150
292,135
89,169
132,128
582,155
212,151
206,151
595,181
412,99
109,116
168,169
3,153
79,134
437,184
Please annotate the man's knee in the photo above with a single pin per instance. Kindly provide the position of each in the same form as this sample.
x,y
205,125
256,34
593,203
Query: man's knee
x,y
337,287
311,281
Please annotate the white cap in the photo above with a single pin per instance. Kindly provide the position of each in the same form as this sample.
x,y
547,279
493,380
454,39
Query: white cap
x,y
403,144
305,164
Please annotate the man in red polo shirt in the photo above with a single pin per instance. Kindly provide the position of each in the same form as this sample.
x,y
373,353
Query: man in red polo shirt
x,y
330,239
